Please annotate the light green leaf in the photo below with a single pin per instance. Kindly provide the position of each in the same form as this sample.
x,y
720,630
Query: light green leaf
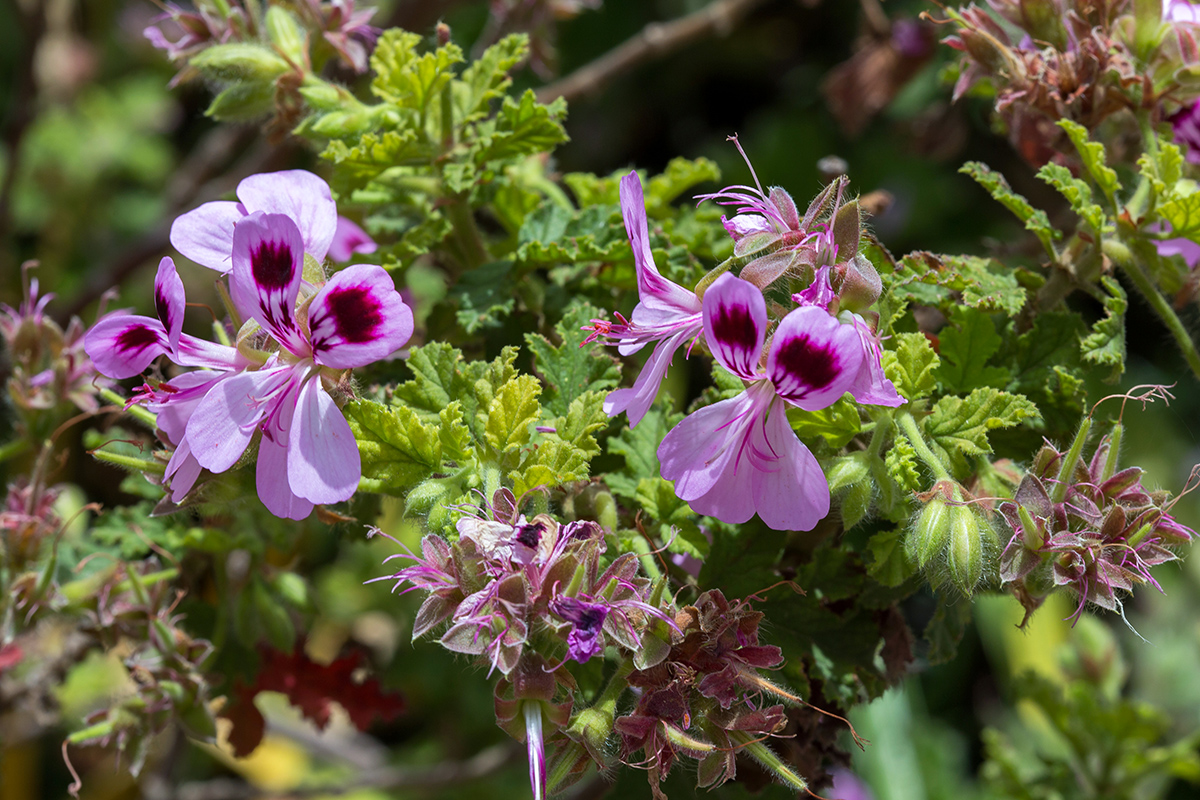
x,y
837,424
487,78
376,152
485,296
1095,159
911,365
1105,345
584,417
510,413
960,425
398,451
1183,213
997,186
454,434
1165,170
555,235
901,463
678,529
981,283
572,369
965,345
680,175
639,446
1077,192
553,463
521,128
409,80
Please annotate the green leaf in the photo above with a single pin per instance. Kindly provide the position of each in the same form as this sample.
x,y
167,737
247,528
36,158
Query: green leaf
x,y
965,345
398,451
1095,159
1163,170
454,434
484,296
742,559
376,152
1077,192
487,78
1105,345
678,529
442,377
639,446
556,235
131,531
837,424
553,463
960,425
997,186
514,408
584,417
521,129
981,283
572,369
945,630
889,565
911,365
680,175
901,463
1183,213
406,79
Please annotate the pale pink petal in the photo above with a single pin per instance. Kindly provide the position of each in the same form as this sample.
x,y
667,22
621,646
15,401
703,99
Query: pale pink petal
x,y
299,195
194,352
224,422
735,324
636,401
124,345
814,359
660,299
182,471
871,386
271,475
358,318
706,455
268,267
349,239
790,491
323,462
205,234
185,393
169,300
746,224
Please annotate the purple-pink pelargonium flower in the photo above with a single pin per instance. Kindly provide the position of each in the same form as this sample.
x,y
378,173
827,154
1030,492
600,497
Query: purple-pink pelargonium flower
x,y
205,234
666,313
307,454
349,239
122,345
740,456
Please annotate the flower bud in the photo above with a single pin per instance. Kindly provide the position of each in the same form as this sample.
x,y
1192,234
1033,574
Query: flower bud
x,y
928,537
240,62
286,34
857,283
965,546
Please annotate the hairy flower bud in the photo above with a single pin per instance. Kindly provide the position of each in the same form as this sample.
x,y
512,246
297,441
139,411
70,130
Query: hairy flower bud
x,y
928,537
967,540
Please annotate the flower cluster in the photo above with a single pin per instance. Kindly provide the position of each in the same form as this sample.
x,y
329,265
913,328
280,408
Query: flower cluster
x,y
740,456
277,387
529,596
1087,526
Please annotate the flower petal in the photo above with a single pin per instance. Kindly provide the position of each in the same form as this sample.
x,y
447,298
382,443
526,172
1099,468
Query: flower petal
x,y
169,300
299,195
871,386
182,471
659,298
814,359
735,324
349,239
323,464
357,318
268,266
706,456
123,345
222,425
205,234
271,477
790,491
636,401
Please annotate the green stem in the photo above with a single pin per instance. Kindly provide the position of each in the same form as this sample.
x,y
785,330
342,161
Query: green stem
x,y
765,756
1124,258
471,250
646,557
882,432
1067,469
135,411
908,426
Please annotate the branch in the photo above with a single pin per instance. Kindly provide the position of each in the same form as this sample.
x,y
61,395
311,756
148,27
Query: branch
x,y
656,40
478,766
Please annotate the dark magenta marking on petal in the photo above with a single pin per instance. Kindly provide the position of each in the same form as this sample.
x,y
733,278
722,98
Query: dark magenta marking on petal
x,y
136,338
530,533
733,326
161,307
810,364
356,314
271,263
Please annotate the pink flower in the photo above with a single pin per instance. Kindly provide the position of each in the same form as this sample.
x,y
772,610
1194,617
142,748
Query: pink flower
x,y
122,345
739,457
1180,11
307,454
349,239
666,313
205,234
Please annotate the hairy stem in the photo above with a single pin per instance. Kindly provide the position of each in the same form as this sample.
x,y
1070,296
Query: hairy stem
x,y
908,426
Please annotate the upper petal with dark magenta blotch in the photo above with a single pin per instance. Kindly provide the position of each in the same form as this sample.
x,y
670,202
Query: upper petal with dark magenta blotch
x,y
268,266
169,300
205,234
358,317
299,195
814,359
123,345
735,324
349,239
